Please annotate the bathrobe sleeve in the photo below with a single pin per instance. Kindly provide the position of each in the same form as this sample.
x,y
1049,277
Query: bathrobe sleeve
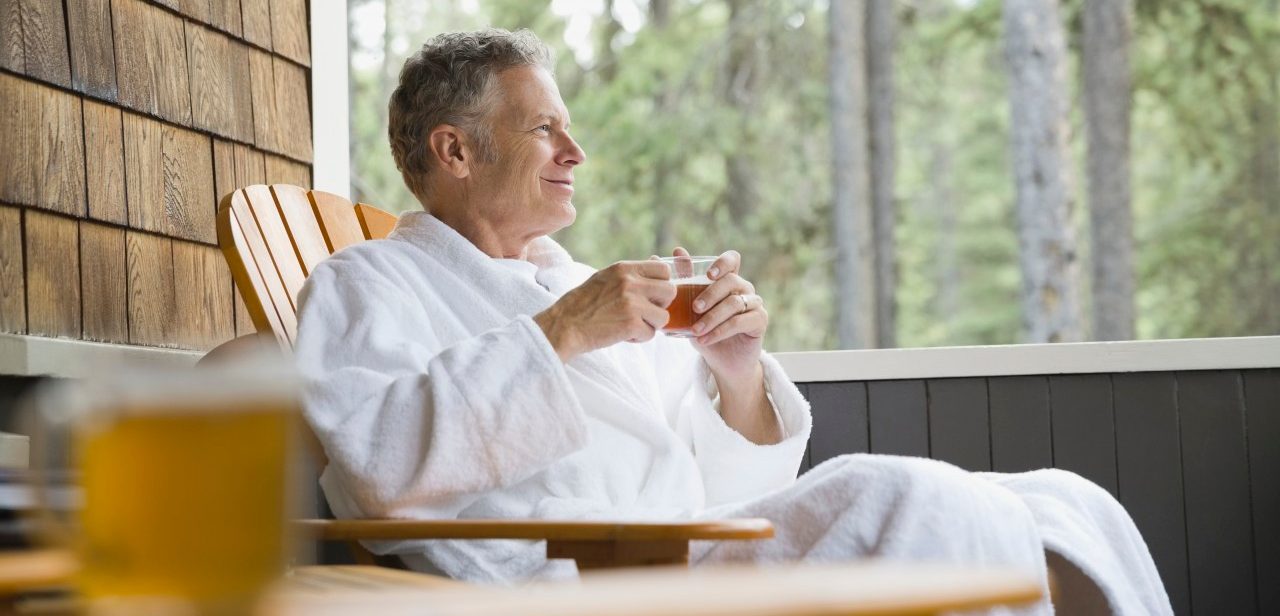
x,y
409,425
733,468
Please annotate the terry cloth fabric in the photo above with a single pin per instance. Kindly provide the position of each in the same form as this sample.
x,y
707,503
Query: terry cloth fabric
x,y
436,396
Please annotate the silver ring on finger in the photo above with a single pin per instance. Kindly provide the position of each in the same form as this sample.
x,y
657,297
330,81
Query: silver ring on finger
x,y
746,304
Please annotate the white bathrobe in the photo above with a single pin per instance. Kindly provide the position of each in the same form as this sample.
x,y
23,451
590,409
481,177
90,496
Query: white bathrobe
x,y
435,395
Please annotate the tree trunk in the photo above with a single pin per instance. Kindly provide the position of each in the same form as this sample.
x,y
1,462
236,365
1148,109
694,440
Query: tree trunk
x,y
881,26
1264,186
851,211
1108,100
947,208
387,73
663,238
1036,59
741,86
606,59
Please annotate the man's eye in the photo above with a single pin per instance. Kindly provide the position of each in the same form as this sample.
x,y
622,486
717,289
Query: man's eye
x,y
544,127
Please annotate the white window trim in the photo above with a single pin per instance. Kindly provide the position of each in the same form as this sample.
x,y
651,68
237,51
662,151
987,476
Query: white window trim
x,y
61,357
1020,359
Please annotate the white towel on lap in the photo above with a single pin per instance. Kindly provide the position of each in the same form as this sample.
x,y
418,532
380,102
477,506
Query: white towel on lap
x,y
435,395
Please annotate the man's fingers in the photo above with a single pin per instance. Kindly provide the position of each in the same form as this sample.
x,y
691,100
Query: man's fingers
x,y
719,290
659,292
728,263
652,268
750,323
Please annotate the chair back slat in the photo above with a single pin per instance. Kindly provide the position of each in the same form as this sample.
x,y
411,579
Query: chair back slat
x,y
267,214
300,222
273,237
376,223
337,218
254,270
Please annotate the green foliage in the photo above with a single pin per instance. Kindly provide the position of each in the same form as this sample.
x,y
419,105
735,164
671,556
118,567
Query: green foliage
x,y
650,110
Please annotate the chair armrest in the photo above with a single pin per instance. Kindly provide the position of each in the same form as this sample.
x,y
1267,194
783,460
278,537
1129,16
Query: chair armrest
x,y
347,530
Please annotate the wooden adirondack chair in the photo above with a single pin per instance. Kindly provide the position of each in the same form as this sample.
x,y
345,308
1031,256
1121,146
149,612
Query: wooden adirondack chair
x,y
272,238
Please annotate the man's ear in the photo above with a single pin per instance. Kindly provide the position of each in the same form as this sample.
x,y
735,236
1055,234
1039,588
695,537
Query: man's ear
x,y
447,145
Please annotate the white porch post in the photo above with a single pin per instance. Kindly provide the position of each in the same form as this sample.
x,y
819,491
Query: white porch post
x,y
330,107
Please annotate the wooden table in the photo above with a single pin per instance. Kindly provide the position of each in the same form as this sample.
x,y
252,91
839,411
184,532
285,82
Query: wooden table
x,y
862,589
857,589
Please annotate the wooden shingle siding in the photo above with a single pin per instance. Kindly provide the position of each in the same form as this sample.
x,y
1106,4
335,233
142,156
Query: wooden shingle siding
x,y
1149,466
35,40
93,58
13,298
122,122
195,9
1262,405
152,305
11,54
104,283
266,120
236,166
151,60
53,274
104,167
293,110
47,127
284,171
1020,427
958,423
244,322
899,415
225,15
202,292
289,30
169,179
256,16
221,100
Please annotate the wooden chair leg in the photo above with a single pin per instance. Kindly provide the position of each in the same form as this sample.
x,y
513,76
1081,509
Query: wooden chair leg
x,y
609,554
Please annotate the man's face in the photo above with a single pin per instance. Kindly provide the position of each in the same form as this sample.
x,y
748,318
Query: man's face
x,y
528,189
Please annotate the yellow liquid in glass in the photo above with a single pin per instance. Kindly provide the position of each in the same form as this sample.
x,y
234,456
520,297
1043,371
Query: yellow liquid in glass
x,y
186,504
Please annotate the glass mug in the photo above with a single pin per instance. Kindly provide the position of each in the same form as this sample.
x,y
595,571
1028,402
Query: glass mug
x,y
184,484
689,274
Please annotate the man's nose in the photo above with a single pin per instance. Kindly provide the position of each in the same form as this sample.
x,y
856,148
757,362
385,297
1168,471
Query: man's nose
x,y
571,153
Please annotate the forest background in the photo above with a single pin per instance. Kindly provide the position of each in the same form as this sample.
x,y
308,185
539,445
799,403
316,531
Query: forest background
x,y
911,173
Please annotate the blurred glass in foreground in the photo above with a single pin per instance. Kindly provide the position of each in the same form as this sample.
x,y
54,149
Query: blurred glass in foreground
x,y
185,484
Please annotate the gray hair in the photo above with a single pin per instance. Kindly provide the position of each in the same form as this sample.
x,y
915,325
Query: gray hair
x,y
448,82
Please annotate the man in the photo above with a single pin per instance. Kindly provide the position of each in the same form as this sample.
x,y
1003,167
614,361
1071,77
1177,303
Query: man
x,y
467,367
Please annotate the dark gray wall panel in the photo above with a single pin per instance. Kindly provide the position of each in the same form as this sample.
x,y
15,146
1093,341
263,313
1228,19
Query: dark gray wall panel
x,y
1084,439
899,416
807,462
1216,482
958,423
1262,405
1149,464
1020,436
839,418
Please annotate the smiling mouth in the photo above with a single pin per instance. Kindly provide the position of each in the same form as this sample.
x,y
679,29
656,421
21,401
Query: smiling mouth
x,y
560,182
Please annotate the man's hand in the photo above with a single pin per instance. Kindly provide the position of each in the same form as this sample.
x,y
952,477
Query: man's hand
x,y
625,301
733,322
729,335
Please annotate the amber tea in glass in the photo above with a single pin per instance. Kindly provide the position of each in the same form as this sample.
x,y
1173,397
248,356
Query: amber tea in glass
x,y
689,274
